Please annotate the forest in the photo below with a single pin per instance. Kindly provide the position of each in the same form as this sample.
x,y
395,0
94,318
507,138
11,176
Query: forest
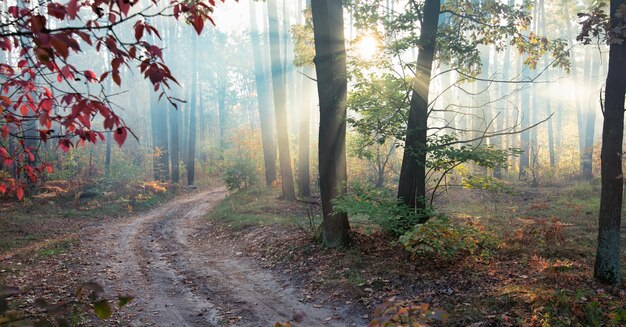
x,y
312,163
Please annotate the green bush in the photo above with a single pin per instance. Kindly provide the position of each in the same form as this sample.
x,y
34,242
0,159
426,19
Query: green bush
x,y
396,313
240,174
442,239
88,299
381,207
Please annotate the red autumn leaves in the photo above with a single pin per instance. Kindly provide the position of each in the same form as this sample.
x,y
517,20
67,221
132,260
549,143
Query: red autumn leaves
x,y
29,96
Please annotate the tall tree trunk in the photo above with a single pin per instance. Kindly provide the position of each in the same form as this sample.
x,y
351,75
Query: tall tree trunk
x,y
107,153
607,266
221,106
412,184
504,115
330,64
542,23
174,116
159,139
175,149
587,166
304,182
579,111
160,144
265,103
280,98
524,158
185,127
191,149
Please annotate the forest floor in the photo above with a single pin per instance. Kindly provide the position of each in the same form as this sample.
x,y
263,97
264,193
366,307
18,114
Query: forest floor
x,y
181,268
250,259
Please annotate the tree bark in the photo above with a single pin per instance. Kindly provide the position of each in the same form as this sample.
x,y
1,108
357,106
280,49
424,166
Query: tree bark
x,y
160,144
280,98
551,151
330,64
109,137
175,153
590,121
579,112
174,118
191,161
412,184
304,182
264,101
607,265
159,139
221,106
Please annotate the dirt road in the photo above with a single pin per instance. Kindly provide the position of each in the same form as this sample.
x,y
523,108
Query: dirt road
x,y
180,278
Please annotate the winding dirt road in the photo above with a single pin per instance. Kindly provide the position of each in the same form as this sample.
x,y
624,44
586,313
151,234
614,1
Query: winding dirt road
x,y
180,279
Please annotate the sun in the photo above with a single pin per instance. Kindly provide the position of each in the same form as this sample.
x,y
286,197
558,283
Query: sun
x,y
367,46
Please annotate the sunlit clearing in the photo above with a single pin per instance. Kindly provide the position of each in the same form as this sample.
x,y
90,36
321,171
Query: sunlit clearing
x,y
366,46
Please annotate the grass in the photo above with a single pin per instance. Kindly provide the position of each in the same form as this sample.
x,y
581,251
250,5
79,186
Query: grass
x,y
539,274
56,248
555,257
28,222
261,207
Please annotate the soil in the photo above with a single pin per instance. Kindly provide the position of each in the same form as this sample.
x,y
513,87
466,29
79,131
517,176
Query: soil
x,y
184,273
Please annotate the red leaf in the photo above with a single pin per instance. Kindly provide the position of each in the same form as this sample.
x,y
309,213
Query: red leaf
x,y
91,76
47,92
117,79
124,6
57,10
24,110
19,193
46,104
120,135
139,28
4,131
3,189
198,24
60,46
72,8
37,23
65,145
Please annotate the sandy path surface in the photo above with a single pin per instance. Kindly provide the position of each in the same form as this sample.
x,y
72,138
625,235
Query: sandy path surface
x,y
180,278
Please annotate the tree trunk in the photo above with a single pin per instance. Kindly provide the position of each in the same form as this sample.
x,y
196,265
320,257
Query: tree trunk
x,y
221,107
330,64
579,112
524,158
160,144
280,98
304,182
412,184
265,103
191,149
607,265
109,135
175,150
159,139
587,165
543,22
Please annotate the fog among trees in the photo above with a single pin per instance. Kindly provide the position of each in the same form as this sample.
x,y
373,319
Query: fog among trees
x,y
344,163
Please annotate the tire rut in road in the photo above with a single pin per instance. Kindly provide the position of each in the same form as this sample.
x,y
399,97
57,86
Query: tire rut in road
x,y
180,279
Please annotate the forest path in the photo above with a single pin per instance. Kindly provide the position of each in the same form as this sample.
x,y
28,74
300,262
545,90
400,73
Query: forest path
x,y
179,279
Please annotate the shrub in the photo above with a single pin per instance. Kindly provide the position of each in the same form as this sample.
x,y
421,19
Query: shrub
x,y
382,208
393,313
88,299
440,238
240,174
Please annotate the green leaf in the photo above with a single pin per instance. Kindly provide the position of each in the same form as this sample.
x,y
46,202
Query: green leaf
x,y
4,306
124,300
102,309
